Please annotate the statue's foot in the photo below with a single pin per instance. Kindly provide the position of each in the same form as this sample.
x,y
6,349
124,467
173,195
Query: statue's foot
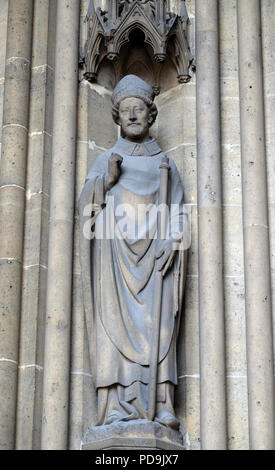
x,y
167,419
113,417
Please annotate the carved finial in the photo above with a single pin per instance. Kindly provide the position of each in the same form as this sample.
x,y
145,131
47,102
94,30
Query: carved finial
x,y
91,9
183,10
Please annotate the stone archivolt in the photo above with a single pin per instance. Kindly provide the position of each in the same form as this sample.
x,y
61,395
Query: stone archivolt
x,y
165,32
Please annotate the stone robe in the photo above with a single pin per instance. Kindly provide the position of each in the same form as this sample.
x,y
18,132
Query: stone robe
x,y
118,271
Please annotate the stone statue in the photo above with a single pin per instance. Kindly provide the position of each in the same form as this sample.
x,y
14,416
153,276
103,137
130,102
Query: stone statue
x,y
120,270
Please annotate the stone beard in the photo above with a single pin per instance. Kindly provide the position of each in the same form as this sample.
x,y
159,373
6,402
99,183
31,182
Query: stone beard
x,y
119,272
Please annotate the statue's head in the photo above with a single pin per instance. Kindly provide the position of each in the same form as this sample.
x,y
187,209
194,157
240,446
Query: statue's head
x,y
133,107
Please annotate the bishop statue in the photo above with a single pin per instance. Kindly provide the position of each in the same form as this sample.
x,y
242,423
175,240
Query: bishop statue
x,y
133,278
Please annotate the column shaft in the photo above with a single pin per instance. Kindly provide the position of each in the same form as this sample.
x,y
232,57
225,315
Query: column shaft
x,y
256,232
59,292
80,374
12,199
211,305
34,279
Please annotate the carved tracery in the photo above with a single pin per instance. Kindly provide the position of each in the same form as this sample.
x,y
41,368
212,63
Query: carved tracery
x,y
163,31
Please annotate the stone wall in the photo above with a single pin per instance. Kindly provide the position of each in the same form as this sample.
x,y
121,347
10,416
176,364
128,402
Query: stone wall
x,y
96,132
3,37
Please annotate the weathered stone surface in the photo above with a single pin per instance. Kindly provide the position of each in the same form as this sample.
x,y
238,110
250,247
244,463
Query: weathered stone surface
x,y
52,33
228,38
230,124
270,148
268,18
138,434
83,407
41,103
186,160
39,164
237,412
58,311
231,175
187,401
192,267
40,33
188,349
78,326
3,35
270,125
81,167
17,77
29,406
11,211
269,86
13,160
229,88
233,246
102,129
82,392
77,269
1,105
34,282
33,315
234,301
10,276
12,184
82,129
273,300
210,243
20,24
36,230
256,240
271,232
8,377
175,108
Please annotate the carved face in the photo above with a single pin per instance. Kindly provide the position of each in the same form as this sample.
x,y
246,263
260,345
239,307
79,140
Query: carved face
x,y
134,119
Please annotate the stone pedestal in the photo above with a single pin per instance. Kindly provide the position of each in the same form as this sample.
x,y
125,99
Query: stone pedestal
x,y
133,435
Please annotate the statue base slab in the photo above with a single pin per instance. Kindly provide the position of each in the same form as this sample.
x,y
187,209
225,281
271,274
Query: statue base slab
x,y
139,434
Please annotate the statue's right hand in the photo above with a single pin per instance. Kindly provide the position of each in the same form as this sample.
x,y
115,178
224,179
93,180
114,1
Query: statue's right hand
x,y
114,165
114,170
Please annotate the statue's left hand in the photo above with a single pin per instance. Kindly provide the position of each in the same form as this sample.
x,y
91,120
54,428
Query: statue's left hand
x,y
165,256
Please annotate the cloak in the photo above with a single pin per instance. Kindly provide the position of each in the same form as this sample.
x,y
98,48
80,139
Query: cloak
x,y
118,267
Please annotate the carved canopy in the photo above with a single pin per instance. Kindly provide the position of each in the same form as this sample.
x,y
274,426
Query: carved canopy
x,y
165,32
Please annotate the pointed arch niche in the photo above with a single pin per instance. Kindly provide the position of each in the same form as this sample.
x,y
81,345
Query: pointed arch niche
x,y
139,38
175,132
137,57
